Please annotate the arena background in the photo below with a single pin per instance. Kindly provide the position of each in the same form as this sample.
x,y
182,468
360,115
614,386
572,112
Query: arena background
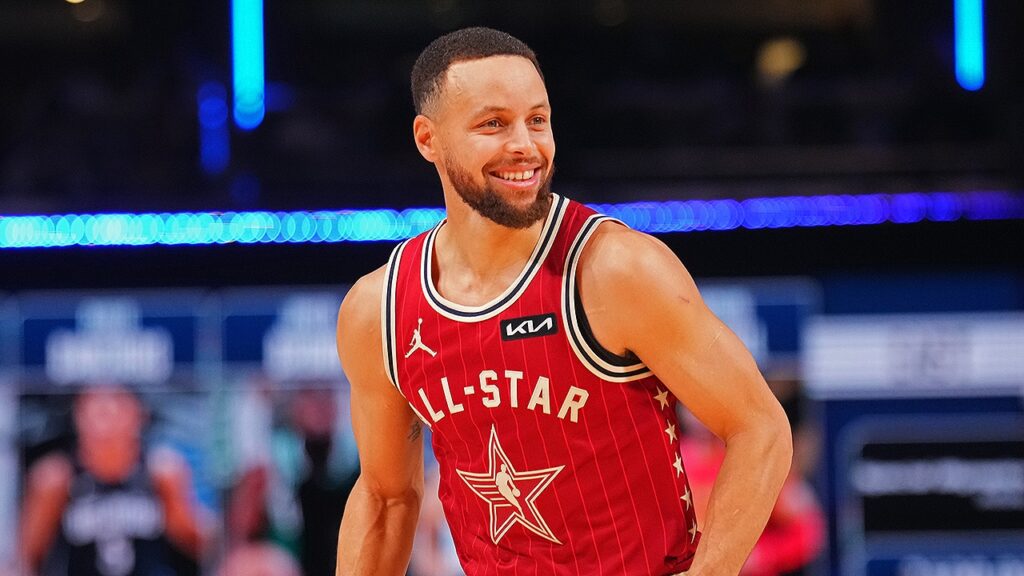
x,y
181,212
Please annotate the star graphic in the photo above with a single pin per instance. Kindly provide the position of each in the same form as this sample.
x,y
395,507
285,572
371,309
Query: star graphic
x,y
511,494
662,398
671,430
693,532
687,498
678,464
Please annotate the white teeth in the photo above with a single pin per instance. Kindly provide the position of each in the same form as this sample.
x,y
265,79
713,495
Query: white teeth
x,y
516,176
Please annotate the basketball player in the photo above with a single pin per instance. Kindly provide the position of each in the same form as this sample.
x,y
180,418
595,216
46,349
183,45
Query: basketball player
x,y
108,510
545,346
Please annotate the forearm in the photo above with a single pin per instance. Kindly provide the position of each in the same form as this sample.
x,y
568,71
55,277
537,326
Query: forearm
x,y
37,535
755,466
377,533
46,496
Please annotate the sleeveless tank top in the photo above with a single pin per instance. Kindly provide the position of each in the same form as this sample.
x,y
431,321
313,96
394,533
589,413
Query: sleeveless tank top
x,y
556,456
111,529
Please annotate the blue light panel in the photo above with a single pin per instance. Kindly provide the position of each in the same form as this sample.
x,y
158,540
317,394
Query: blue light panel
x,y
247,62
214,138
391,225
969,40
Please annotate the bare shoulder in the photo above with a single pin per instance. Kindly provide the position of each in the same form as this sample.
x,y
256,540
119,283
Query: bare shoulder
x,y
628,282
51,473
620,259
360,348
360,310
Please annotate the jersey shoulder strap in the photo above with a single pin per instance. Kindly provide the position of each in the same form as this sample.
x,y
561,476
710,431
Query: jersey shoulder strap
x,y
388,309
598,360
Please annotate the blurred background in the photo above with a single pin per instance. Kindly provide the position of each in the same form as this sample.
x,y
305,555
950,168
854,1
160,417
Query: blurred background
x,y
188,188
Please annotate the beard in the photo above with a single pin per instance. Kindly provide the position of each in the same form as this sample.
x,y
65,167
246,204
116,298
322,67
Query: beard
x,y
491,205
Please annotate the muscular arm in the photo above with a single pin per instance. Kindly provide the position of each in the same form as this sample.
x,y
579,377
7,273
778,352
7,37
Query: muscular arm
x,y
639,297
380,515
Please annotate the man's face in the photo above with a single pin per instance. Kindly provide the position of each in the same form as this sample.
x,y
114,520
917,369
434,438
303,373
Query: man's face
x,y
108,416
493,130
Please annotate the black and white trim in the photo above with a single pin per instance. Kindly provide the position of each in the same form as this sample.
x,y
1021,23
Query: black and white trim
x,y
603,363
387,314
389,343
461,313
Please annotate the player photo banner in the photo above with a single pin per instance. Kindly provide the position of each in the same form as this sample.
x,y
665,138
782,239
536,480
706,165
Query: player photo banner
x,y
142,339
287,334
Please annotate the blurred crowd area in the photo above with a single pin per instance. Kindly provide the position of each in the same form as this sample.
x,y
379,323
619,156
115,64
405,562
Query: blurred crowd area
x,y
186,432
175,433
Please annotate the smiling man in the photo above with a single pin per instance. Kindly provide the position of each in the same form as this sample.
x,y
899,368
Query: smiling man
x,y
545,345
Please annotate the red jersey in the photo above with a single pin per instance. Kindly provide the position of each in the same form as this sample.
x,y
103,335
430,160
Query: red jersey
x,y
556,456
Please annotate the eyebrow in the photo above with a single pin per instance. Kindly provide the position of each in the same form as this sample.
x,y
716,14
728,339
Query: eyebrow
x,y
490,109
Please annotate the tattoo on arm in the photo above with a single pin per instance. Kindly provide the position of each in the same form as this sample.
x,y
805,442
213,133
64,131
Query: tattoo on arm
x,y
414,430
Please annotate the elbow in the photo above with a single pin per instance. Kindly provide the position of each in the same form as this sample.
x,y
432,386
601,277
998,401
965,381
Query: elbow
x,y
780,436
410,499
388,496
770,436
766,435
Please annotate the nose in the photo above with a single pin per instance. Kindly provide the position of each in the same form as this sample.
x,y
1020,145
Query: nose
x,y
520,140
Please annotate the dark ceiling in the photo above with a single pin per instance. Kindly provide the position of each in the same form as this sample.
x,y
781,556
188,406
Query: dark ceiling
x,y
98,108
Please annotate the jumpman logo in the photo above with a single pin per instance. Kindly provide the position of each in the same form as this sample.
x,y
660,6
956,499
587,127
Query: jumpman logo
x,y
417,342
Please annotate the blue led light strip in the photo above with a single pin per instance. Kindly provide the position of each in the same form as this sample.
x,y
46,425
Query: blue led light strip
x,y
247,62
969,43
389,225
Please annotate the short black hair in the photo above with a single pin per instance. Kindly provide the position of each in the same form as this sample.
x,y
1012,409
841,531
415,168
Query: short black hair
x,y
428,74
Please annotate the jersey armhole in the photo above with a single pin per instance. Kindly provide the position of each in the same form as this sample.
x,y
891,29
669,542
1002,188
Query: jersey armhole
x,y
601,362
588,336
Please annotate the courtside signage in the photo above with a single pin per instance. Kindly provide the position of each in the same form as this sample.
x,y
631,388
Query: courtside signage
x,y
914,355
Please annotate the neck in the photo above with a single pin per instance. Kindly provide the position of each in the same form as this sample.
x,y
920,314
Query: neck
x,y
111,463
485,247
475,256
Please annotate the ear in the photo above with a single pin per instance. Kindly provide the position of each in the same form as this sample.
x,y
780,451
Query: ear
x,y
423,135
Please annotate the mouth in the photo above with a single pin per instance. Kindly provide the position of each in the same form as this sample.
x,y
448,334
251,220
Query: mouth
x,y
520,178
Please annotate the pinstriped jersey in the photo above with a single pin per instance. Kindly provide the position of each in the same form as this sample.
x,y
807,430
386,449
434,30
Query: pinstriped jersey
x,y
556,456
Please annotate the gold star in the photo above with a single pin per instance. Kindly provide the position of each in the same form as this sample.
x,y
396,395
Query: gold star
x,y
662,398
687,498
678,466
671,431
